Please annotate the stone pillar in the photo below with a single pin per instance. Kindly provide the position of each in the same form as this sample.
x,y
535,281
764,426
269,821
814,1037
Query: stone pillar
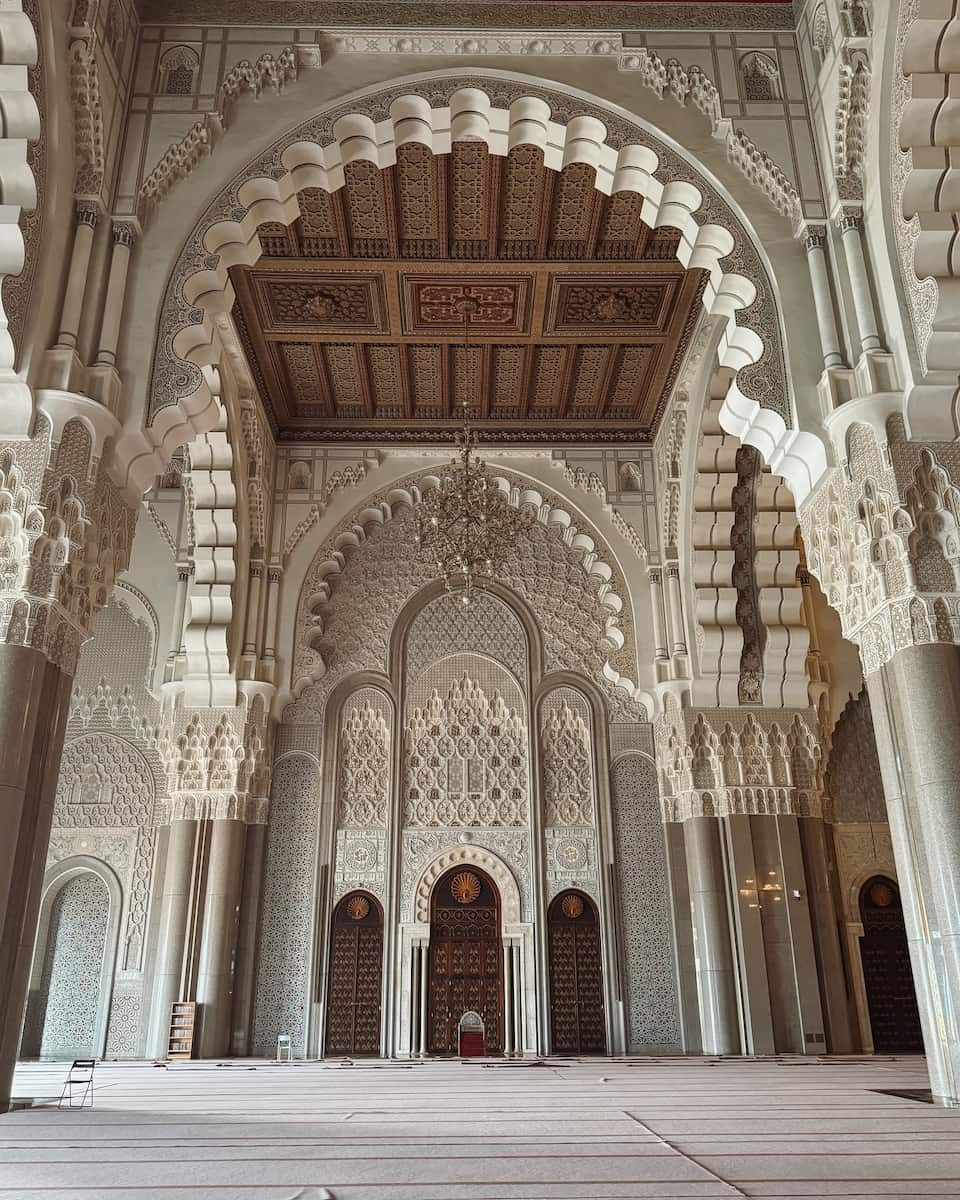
x,y
72,310
915,701
179,620
679,645
274,575
124,237
716,985
34,703
507,999
256,842
851,227
218,938
424,987
748,916
518,1006
814,242
660,651
823,914
253,609
172,931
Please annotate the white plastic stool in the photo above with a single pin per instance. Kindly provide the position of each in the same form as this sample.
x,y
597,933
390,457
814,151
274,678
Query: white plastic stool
x,y
284,1049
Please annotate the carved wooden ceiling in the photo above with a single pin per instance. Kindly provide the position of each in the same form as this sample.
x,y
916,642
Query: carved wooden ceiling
x,y
577,317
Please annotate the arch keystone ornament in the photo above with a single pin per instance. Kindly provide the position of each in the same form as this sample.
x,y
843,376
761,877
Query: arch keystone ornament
x,y
504,113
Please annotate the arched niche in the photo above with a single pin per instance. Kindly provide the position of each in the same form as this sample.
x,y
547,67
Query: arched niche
x,y
71,980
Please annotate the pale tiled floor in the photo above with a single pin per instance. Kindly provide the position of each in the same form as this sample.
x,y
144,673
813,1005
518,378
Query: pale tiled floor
x,y
471,1131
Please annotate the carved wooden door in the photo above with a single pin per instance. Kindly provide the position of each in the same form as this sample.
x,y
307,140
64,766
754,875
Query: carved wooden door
x,y
466,959
577,1021
891,999
353,994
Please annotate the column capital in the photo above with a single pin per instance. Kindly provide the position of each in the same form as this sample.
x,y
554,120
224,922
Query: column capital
x,y
813,237
88,213
125,233
673,571
850,218
274,573
655,576
257,569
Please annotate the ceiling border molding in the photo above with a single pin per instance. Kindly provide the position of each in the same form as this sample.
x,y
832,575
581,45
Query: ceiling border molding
x,y
480,14
503,111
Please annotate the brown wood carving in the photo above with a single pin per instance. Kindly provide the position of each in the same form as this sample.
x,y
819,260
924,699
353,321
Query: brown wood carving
x,y
353,323
466,959
891,999
577,1024
355,978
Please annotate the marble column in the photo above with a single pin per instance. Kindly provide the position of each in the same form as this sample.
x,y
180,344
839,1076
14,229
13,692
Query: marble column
x,y
507,1000
256,842
824,916
424,988
179,620
253,609
274,575
518,1003
814,242
716,985
72,309
218,937
679,645
915,701
34,703
656,604
124,237
851,230
175,899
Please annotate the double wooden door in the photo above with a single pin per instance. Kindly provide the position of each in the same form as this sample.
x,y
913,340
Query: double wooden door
x,y
355,978
891,999
466,957
577,1021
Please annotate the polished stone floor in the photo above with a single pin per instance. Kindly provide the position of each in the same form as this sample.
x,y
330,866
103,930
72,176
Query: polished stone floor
x,y
642,1128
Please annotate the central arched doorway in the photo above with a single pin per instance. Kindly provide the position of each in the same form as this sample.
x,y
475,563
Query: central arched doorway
x,y
466,959
355,981
577,1022
887,976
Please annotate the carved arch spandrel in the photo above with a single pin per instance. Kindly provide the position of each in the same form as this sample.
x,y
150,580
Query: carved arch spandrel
x,y
475,855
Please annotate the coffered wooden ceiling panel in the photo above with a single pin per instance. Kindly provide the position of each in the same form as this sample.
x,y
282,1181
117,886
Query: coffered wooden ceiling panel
x,y
577,320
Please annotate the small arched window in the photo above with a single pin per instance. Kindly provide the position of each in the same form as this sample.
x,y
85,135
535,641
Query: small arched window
x,y
761,77
179,67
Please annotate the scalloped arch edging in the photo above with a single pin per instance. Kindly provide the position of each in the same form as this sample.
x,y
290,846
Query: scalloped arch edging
x,y
477,856
405,494
21,124
205,290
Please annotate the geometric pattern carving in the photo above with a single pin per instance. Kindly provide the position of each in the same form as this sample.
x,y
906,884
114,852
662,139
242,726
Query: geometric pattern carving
x,y
69,992
629,290
125,793
644,902
364,772
465,760
567,759
286,920
489,627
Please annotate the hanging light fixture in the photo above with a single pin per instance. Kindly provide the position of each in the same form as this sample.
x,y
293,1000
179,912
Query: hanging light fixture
x,y
465,525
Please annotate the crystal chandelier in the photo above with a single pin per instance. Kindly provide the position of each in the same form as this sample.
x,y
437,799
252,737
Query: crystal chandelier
x,y
465,525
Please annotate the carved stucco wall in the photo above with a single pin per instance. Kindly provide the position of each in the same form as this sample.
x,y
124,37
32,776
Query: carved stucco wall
x,y
853,781
653,1011
569,793
286,913
63,1013
364,776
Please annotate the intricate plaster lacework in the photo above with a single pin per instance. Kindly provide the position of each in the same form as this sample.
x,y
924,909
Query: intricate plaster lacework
x,y
566,761
488,627
70,983
364,772
465,761
644,887
286,915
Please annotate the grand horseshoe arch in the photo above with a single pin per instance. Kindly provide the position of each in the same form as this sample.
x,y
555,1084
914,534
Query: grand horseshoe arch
x,y
504,112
